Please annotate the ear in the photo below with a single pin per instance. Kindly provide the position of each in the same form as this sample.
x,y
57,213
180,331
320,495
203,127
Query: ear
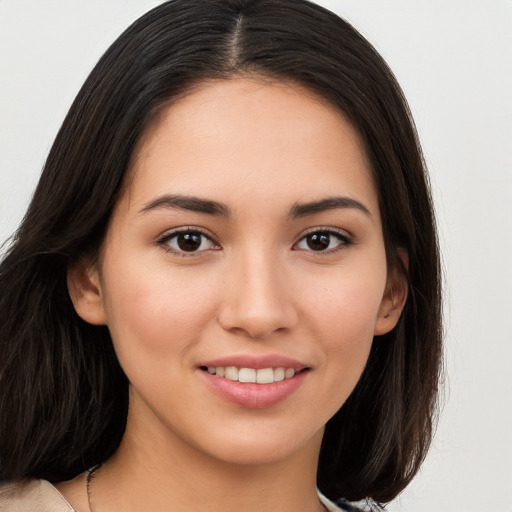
x,y
84,288
393,300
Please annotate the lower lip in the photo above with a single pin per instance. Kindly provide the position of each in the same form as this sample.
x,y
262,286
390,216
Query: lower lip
x,y
250,395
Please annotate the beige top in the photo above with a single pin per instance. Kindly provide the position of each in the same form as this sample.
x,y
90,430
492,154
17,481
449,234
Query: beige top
x,y
32,496
42,496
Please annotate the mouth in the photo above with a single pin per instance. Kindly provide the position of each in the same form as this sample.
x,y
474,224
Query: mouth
x,y
254,382
253,375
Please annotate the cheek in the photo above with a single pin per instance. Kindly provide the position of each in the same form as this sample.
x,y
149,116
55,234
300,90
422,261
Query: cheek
x,y
346,307
342,317
152,312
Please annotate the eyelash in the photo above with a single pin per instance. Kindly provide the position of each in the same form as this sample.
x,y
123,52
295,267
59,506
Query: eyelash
x,y
344,240
165,239
341,236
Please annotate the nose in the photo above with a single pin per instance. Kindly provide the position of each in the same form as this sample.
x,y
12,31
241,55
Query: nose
x,y
257,298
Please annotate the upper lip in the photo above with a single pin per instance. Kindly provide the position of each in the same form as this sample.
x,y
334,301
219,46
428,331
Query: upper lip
x,y
256,362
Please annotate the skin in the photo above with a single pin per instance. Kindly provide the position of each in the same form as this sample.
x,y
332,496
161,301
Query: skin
x,y
255,287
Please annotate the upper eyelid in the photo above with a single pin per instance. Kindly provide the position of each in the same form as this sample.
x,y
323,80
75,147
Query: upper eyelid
x,y
325,229
166,235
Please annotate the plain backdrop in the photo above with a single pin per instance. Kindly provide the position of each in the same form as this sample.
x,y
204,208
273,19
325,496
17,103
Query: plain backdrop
x,y
453,59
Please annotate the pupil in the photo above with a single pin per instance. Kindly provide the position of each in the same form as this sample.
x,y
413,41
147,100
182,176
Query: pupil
x,y
189,241
318,241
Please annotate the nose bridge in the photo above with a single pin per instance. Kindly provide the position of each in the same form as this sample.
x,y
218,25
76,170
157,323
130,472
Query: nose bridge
x,y
257,299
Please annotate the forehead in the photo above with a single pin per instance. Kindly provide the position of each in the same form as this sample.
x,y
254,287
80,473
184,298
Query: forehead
x,y
250,136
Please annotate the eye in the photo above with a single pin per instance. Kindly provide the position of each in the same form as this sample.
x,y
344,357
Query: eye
x,y
187,241
323,241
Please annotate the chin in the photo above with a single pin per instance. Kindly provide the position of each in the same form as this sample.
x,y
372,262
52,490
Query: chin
x,y
265,449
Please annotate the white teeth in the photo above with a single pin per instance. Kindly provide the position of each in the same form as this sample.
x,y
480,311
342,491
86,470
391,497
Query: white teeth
x,y
251,375
265,376
289,372
247,375
278,374
231,373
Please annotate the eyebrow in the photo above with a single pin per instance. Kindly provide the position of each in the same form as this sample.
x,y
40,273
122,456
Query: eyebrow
x,y
197,204
330,203
190,203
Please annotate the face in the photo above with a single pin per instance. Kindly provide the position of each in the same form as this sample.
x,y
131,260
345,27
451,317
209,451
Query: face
x,y
243,275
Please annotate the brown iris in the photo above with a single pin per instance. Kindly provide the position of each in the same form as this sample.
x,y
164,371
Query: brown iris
x,y
189,242
318,241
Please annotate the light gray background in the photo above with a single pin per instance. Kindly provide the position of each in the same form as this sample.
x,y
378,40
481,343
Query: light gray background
x,y
454,61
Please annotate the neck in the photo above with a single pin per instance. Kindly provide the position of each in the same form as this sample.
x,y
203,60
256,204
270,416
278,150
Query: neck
x,y
154,468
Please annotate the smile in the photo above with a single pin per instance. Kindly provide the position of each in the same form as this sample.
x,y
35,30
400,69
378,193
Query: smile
x,y
252,375
254,382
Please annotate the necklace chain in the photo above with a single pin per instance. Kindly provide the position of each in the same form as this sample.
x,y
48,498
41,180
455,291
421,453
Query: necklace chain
x,y
88,481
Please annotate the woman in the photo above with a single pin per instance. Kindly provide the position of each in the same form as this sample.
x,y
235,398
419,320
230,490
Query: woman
x,y
225,292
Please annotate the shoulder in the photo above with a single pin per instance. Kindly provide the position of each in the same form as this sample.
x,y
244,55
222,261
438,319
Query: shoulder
x,y
32,496
342,505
